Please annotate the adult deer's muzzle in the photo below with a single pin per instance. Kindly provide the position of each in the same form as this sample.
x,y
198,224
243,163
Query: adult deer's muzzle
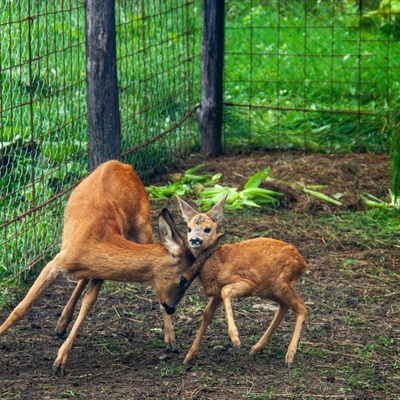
x,y
169,310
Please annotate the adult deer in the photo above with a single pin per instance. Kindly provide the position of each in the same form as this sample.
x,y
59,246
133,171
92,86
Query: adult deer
x,y
105,209
261,267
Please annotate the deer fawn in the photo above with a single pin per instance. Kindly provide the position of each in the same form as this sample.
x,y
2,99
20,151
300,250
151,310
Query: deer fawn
x,y
107,208
261,267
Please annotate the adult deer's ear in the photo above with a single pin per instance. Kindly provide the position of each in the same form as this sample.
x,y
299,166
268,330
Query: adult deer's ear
x,y
216,212
169,234
188,212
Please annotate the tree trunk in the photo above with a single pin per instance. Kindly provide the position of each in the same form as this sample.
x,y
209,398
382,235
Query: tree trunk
x,y
102,83
209,116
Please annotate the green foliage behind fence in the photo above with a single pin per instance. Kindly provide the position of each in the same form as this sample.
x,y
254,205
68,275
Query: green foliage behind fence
x,y
321,76
43,126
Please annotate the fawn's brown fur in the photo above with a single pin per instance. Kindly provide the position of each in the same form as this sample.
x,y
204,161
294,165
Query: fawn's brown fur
x,y
261,267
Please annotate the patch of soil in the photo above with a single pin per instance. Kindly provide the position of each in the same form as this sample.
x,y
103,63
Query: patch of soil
x,y
349,346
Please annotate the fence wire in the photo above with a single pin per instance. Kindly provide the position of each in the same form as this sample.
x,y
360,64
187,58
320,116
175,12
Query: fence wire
x,y
314,75
158,48
43,127
307,74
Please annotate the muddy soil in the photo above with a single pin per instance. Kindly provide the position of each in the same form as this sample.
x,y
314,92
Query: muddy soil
x,y
350,344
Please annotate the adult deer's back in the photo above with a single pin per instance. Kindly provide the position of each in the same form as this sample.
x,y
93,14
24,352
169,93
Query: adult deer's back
x,y
111,201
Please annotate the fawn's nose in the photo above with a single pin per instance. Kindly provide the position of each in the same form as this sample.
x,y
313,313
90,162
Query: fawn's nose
x,y
195,241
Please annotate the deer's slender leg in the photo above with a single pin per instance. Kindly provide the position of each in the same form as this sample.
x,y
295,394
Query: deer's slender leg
x,y
68,311
229,292
87,303
208,315
169,334
48,275
300,310
278,317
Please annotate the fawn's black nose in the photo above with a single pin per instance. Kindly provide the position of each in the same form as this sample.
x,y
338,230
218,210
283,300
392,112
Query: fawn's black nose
x,y
195,242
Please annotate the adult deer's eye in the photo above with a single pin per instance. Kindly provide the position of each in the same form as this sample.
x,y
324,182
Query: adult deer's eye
x,y
183,282
207,230
189,230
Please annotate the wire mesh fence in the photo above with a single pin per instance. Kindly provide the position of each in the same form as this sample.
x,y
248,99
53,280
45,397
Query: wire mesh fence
x,y
43,125
305,74
159,84
315,75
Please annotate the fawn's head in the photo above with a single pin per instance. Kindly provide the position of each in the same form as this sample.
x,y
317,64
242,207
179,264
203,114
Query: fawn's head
x,y
175,275
202,227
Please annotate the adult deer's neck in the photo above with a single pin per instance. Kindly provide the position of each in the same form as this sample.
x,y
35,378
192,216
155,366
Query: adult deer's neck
x,y
123,261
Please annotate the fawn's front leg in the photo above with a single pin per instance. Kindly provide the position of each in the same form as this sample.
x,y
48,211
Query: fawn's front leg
x,y
208,315
229,292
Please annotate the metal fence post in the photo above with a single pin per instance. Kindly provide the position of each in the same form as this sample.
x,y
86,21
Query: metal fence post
x,y
102,84
209,115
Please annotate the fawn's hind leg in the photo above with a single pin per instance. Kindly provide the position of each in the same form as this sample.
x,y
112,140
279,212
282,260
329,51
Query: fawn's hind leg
x,y
278,318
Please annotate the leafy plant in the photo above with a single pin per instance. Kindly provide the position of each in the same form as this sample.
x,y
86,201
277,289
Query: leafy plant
x,y
372,201
251,195
264,75
312,190
182,184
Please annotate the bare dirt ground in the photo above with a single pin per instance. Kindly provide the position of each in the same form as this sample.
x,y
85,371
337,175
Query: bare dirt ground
x,y
350,344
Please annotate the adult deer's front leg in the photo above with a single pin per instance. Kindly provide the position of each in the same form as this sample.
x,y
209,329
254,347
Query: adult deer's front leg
x,y
87,303
68,311
169,334
208,315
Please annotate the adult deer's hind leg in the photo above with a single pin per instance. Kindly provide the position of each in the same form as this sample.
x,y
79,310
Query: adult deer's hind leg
x,y
48,275
68,311
87,303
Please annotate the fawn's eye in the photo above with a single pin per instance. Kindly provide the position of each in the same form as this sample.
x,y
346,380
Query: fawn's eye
x,y
189,230
183,281
207,230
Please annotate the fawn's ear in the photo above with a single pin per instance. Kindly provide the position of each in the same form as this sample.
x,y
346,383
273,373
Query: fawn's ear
x,y
188,212
169,234
216,212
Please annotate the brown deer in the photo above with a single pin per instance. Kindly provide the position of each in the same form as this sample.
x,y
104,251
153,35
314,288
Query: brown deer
x,y
106,209
261,267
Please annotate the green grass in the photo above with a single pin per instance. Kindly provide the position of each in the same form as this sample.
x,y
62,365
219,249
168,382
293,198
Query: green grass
x,y
370,229
282,54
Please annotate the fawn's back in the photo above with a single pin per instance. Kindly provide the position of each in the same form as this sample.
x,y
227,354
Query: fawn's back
x,y
261,262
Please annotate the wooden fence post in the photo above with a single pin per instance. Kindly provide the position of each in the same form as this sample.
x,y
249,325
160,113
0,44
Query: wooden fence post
x,y
209,115
101,83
